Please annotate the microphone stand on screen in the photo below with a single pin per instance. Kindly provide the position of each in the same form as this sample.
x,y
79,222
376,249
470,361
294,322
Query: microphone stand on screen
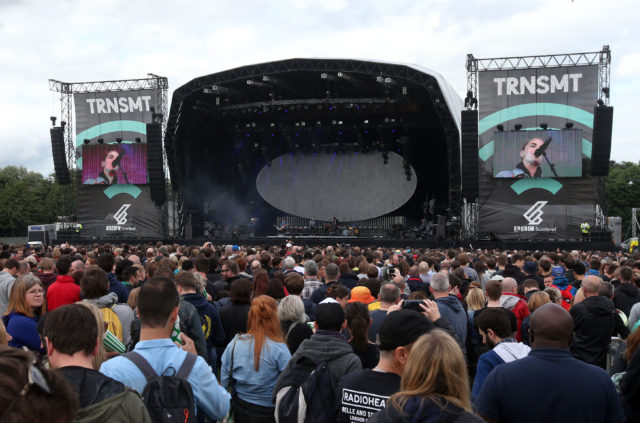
x,y
118,160
543,151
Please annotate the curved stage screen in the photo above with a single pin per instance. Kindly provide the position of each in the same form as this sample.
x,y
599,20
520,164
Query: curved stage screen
x,y
321,186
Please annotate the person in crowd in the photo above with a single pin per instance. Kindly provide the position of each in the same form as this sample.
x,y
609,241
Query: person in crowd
x,y
47,272
434,385
475,301
64,290
536,300
106,262
595,322
501,398
73,342
31,393
332,274
7,277
358,322
230,273
158,307
388,296
529,287
252,363
627,293
294,282
311,282
328,345
530,269
212,327
347,277
260,281
95,290
25,309
340,293
4,335
513,302
293,321
364,392
567,291
235,315
629,381
495,328
450,307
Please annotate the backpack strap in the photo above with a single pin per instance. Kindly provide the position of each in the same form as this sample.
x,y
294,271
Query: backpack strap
x,y
142,364
187,365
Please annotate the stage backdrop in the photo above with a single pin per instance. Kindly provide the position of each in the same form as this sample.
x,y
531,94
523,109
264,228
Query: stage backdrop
x,y
542,207
119,209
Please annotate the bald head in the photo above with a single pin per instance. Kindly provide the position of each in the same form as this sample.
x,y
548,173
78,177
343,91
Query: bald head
x,y
591,285
509,285
551,327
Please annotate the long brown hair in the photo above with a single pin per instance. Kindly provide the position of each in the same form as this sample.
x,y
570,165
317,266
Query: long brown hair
x,y
436,370
18,297
260,281
263,323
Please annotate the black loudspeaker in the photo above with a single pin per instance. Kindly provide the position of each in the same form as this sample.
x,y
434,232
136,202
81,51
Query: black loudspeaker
x,y
59,157
602,125
469,136
155,164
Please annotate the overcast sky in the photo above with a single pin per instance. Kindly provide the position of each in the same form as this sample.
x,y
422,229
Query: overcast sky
x,y
92,40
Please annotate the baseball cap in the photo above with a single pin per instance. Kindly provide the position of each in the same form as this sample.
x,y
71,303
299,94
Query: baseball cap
x,y
361,294
329,316
497,278
530,267
557,271
401,328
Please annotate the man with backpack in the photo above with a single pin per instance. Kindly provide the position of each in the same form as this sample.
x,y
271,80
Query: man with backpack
x,y
315,370
71,332
163,372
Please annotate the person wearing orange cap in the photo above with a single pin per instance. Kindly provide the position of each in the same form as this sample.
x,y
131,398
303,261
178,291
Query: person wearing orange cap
x,y
362,295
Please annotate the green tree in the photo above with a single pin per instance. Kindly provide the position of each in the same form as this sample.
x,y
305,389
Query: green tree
x,y
621,195
27,198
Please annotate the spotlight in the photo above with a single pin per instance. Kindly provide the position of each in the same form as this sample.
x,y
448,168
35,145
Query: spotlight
x,y
87,141
605,91
600,102
100,140
517,126
53,120
470,102
568,125
500,128
544,126
138,140
118,140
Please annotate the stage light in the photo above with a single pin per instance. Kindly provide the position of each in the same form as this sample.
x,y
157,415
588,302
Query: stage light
x,y
118,140
53,120
544,126
605,91
87,141
324,75
500,128
517,126
100,140
600,102
138,140
568,125
470,102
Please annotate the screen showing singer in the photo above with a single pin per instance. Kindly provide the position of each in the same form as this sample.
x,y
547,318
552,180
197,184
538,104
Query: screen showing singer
x,y
114,164
537,154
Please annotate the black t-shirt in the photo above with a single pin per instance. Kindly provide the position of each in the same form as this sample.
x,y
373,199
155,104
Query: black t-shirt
x,y
369,358
377,317
361,394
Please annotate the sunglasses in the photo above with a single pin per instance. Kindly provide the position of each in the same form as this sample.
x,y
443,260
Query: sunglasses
x,y
35,377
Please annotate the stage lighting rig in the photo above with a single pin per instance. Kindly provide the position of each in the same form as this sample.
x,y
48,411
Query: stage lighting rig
x,y
500,128
517,126
568,125
87,141
53,120
470,102
544,126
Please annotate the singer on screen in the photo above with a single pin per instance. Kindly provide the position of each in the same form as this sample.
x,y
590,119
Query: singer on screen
x,y
532,155
110,166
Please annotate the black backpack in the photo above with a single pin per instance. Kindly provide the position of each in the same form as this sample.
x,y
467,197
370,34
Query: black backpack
x,y
167,398
306,394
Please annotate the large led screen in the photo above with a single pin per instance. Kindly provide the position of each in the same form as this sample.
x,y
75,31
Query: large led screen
x,y
538,154
108,164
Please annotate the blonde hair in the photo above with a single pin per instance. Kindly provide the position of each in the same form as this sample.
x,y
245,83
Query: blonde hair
x,y
101,357
436,370
475,298
133,298
579,297
4,336
537,299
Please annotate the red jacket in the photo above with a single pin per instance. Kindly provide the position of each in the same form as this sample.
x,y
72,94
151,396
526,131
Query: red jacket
x,y
62,292
518,306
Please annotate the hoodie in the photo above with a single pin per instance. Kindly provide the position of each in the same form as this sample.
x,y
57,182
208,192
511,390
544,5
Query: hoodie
x,y
626,295
123,311
62,292
505,352
104,399
47,279
594,323
451,309
329,347
518,306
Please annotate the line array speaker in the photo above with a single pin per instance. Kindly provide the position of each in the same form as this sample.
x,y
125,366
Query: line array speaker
x,y
602,125
59,157
469,136
155,165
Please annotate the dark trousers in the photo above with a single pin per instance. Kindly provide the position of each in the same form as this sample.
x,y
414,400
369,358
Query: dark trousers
x,y
585,236
245,412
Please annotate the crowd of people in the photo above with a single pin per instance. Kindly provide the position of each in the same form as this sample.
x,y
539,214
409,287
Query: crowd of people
x,y
144,333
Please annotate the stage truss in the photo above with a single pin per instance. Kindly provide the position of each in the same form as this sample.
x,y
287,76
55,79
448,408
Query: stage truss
x,y
601,58
66,89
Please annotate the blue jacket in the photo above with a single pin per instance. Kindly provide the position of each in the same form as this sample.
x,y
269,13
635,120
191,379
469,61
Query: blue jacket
x,y
562,283
118,287
209,317
451,309
24,331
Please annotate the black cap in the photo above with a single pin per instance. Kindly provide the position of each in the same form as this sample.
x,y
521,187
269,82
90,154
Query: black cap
x,y
329,316
401,328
